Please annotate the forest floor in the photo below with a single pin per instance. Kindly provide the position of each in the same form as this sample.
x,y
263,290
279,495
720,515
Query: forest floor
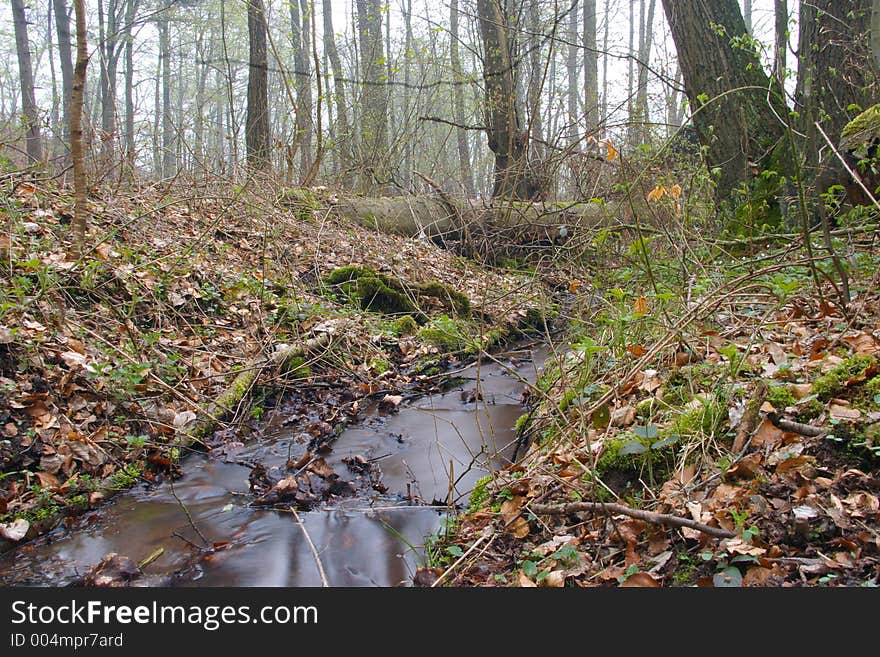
x,y
714,417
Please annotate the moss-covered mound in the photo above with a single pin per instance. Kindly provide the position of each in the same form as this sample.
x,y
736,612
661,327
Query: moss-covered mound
x,y
381,292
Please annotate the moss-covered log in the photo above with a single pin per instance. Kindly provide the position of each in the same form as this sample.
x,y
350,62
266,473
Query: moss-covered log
x,y
451,218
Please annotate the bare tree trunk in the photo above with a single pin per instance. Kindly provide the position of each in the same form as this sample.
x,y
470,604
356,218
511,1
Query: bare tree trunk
x,y
507,140
536,78
464,156
55,118
747,15
875,32
604,110
408,152
647,36
343,131
80,208
781,45
572,70
591,68
630,76
199,121
65,57
30,113
257,123
130,12
169,159
737,125
299,33
374,97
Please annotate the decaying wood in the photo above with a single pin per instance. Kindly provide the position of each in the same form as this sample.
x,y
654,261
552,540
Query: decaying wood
x,y
647,516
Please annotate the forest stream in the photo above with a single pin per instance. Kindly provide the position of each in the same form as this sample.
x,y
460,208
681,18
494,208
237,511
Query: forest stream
x,y
369,539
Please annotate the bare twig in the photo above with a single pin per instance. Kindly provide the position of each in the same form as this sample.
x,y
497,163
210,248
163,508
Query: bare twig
x,y
314,550
647,516
486,534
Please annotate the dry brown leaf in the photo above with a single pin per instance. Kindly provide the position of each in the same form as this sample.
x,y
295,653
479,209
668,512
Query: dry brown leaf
x,y
554,579
767,434
840,412
14,531
759,576
48,480
777,353
640,580
651,381
739,546
623,416
801,390
525,582
319,467
640,306
862,343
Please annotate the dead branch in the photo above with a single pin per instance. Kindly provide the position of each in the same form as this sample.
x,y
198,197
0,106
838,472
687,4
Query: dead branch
x,y
647,516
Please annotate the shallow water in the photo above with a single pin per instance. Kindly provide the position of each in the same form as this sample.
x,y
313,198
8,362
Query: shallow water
x,y
432,450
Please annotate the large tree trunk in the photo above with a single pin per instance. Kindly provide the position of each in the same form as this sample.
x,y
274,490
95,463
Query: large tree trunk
x,y
781,40
169,156
65,57
572,70
836,75
727,89
507,140
342,130
537,67
30,113
80,209
301,43
257,123
130,12
464,157
646,41
373,141
591,68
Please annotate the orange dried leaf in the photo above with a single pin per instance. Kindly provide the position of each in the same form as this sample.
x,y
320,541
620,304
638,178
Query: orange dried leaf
x,y
574,285
674,191
640,306
640,580
612,152
656,194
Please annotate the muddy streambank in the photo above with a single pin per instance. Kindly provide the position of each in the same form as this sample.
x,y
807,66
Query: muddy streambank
x,y
395,470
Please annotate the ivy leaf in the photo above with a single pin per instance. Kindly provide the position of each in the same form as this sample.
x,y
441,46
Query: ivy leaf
x,y
529,568
632,447
455,551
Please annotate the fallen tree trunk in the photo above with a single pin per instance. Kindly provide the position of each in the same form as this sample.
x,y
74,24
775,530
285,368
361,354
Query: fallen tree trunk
x,y
447,218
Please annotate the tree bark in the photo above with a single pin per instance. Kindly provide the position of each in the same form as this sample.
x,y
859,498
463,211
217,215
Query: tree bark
x,y
747,15
591,68
836,75
342,131
464,157
572,70
645,45
30,112
257,123
169,155
373,141
727,89
780,10
507,140
130,13
80,208
300,42
65,57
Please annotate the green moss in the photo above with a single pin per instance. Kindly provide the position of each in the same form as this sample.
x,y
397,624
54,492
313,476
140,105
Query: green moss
x,y
454,301
863,128
447,334
834,382
480,494
781,397
125,477
707,419
808,408
405,325
522,422
297,368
